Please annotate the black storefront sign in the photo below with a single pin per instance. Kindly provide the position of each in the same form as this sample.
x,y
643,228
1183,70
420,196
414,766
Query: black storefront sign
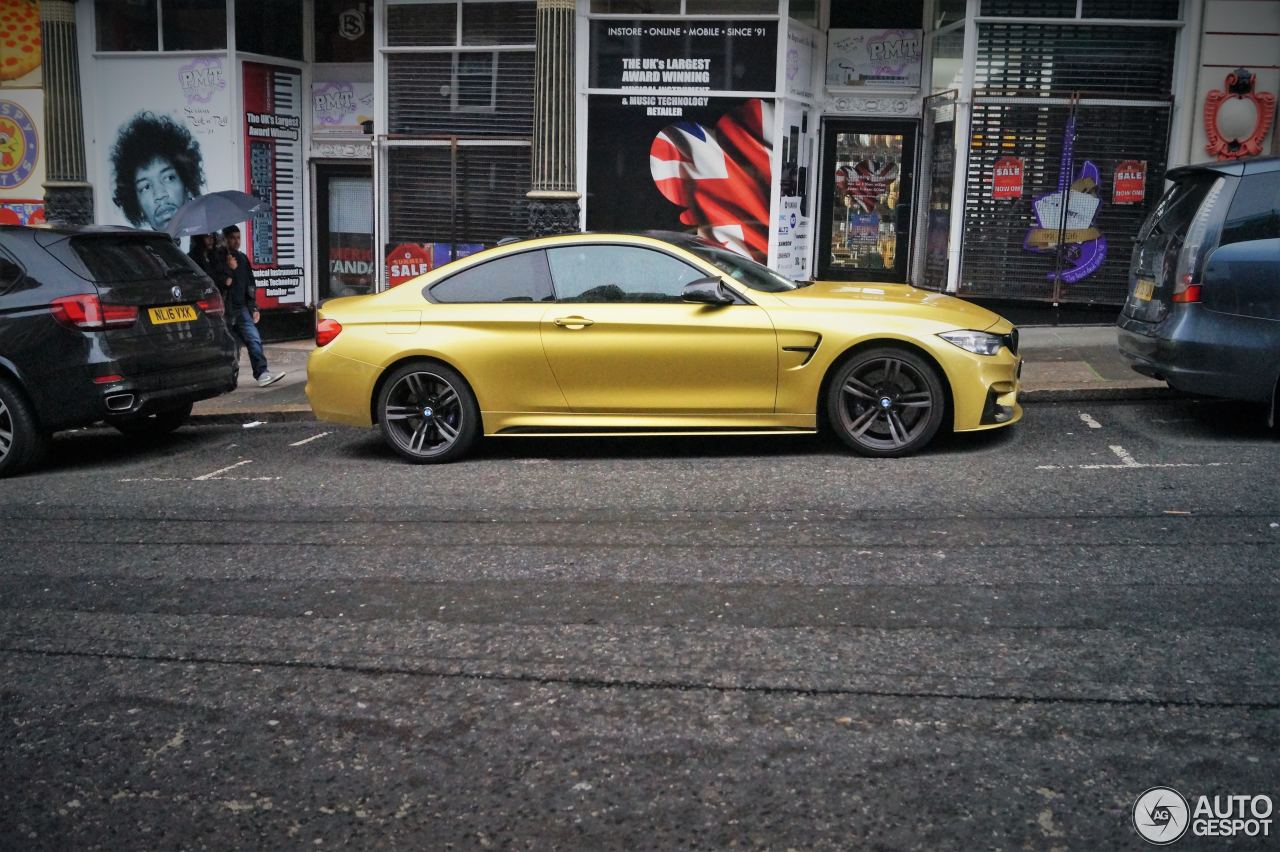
x,y
702,55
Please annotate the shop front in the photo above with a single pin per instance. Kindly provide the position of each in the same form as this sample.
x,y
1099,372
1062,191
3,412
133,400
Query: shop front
x,y
701,123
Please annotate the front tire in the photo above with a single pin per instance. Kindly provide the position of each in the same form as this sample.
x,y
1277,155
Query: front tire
x,y
154,425
427,413
23,441
886,402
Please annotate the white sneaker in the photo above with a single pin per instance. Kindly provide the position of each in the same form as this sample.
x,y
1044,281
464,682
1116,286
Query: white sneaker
x,y
270,379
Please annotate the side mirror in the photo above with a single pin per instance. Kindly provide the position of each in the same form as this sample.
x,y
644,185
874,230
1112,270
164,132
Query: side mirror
x,y
707,291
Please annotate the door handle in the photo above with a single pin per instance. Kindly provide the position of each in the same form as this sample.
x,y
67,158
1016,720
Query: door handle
x,y
573,322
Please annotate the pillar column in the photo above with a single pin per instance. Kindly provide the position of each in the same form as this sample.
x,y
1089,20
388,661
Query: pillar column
x,y
553,203
68,197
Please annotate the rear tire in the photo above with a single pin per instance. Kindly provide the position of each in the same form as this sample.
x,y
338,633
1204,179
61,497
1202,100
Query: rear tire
x,y
154,425
427,413
23,441
886,402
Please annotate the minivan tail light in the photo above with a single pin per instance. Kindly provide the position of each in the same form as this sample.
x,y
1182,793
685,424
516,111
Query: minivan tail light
x,y
213,304
87,312
1193,246
326,331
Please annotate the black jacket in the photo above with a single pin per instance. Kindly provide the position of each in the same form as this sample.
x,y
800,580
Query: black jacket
x,y
243,291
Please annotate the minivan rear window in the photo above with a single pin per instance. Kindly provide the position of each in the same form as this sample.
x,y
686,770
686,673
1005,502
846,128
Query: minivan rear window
x,y
113,260
1178,207
1255,210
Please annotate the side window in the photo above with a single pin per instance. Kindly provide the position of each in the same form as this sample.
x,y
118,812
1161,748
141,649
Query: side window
x,y
10,272
518,278
1255,210
618,274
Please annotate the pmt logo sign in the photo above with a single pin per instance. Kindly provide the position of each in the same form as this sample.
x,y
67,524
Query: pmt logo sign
x,y
1161,815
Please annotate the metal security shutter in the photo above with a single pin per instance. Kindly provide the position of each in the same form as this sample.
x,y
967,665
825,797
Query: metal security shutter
x,y
1133,10
465,194
996,262
463,93
1034,59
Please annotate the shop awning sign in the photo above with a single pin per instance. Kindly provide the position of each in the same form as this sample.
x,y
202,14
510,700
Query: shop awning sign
x,y
1130,183
1007,179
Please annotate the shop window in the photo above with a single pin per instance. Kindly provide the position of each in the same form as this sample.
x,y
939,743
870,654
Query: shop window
x,y
499,23
730,7
344,31
467,93
879,14
805,11
948,61
1029,8
148,25
127,26
193,24
270,27
422,24
947,12
636,7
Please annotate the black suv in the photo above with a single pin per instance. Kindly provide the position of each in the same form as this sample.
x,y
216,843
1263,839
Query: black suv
x,y
103,324
1203,312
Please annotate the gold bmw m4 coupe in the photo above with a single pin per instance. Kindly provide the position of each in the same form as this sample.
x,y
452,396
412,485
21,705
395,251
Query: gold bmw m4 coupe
x,y
664,334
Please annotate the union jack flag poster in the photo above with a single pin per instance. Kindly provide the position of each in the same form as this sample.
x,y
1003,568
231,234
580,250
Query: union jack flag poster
x,y
720,176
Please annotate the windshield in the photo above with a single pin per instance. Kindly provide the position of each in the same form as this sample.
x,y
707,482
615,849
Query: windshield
x,y
757,276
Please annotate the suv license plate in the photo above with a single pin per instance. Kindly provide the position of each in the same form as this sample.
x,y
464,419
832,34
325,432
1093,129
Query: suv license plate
x,y
172,313
1145,289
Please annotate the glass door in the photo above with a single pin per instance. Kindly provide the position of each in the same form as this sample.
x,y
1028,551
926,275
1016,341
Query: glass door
x,y
866,200
344,220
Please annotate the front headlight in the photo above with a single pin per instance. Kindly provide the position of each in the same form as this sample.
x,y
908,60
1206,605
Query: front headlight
x,y
977,342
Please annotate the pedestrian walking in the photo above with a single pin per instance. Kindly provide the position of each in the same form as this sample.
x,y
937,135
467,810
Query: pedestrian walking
x,y
242,306
204,253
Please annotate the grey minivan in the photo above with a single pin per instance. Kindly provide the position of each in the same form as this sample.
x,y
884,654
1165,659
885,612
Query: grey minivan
x,y
1203,312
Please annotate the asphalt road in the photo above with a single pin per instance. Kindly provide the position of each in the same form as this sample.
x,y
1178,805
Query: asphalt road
x,y
282,636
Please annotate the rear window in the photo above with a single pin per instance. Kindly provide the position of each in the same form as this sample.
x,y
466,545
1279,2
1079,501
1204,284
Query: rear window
x,y
1255,210
517,278
10,272
1178,207
113,260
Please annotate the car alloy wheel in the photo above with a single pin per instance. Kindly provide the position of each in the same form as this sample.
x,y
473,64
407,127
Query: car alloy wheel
x,y
886,402
427,413
22,440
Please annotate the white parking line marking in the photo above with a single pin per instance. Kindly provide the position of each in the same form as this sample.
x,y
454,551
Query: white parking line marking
x,y
1089,421
309,440
223,470
1125,459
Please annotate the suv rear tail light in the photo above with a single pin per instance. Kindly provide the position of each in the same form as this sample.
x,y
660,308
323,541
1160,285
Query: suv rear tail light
x,y
213,304
87,313
326,331
1198,238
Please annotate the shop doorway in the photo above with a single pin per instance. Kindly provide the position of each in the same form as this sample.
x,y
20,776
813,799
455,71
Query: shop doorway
x,y
344,230
865,200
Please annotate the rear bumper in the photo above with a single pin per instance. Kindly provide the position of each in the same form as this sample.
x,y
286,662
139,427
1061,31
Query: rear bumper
x,y
170,389
1191,350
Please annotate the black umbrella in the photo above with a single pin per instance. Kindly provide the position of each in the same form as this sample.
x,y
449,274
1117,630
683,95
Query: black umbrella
x,y
208,213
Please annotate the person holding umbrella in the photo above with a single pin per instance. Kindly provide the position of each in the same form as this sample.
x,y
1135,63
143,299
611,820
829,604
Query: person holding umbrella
x,y
242,305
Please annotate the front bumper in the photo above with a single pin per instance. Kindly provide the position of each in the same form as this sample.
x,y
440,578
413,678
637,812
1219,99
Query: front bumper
x,y
984,391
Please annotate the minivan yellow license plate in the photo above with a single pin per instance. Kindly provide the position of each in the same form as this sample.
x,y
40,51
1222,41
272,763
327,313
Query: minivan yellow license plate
x,y
172,313
1145,289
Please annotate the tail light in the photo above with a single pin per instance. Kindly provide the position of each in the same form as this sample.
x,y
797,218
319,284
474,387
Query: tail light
x,y
326,331
1185,288
213,304
87,312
